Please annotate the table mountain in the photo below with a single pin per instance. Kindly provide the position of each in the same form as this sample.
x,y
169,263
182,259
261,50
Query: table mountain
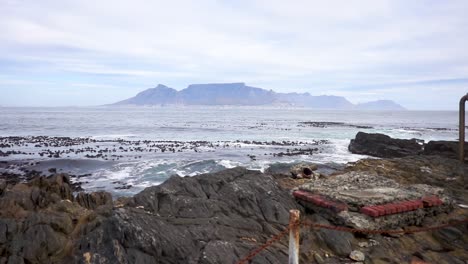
x,y
241,94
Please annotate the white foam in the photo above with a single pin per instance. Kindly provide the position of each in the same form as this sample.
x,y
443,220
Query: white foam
x,y
114,136
228,164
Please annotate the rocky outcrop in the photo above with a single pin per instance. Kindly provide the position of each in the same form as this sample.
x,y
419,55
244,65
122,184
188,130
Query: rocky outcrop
x,y
210,218
94,200
383,146
444,148
38,220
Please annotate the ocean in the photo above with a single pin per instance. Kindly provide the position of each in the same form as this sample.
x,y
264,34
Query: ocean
x,y
125,149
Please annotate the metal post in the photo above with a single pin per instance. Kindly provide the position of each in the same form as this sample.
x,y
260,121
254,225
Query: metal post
x,y
461,140
294,236
461,129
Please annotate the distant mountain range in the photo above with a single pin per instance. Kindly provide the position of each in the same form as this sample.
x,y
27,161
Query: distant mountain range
x,y
241,94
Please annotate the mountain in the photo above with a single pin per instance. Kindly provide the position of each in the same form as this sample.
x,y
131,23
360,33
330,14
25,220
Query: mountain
x,y
241,94
321,101
380,105
159,95
225,94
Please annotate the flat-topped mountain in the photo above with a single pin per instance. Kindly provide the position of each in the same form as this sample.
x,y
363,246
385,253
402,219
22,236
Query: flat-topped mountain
x,y
241,94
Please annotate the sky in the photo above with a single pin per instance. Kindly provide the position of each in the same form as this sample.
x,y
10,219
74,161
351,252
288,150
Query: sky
x,y
87,52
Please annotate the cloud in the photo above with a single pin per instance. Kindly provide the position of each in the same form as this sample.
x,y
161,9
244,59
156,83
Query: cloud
x,y
307,45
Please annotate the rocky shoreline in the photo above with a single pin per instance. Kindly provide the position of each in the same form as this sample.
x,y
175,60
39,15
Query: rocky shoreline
x,y
217,218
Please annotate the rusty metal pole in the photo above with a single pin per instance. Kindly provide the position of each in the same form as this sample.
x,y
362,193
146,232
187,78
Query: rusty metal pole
x,y
294,236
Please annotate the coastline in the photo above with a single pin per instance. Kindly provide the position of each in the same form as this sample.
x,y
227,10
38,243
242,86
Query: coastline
x,y
217,218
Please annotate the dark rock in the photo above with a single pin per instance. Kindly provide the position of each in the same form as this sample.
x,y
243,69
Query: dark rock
x,y
451,238
337,241
210,218
3,186
340,243
195,220
444,148
58,184
38,244
199,219
94,200
383,146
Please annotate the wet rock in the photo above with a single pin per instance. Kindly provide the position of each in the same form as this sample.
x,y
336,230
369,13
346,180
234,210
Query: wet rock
x,y
383,146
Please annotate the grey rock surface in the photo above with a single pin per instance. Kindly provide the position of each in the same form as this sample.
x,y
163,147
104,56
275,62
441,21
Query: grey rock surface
x,y
210,218
383,146
444,148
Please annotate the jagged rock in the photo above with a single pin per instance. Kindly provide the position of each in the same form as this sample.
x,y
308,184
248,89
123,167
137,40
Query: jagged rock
x,y
94,200
194,220
184,220
383,146
58,184
210,218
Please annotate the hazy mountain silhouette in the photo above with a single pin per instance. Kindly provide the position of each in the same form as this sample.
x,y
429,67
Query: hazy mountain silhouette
x,y
241,94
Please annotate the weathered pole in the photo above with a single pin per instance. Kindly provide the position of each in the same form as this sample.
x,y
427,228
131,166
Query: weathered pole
x,y
294,229
461,139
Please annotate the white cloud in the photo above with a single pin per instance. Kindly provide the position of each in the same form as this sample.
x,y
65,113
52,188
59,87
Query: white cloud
x,y
285,45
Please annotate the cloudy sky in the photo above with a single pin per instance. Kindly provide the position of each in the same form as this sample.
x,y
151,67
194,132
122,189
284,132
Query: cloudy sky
x,y
87,52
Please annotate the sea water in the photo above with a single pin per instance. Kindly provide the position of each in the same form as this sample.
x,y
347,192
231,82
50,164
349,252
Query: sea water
x,y
229,127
